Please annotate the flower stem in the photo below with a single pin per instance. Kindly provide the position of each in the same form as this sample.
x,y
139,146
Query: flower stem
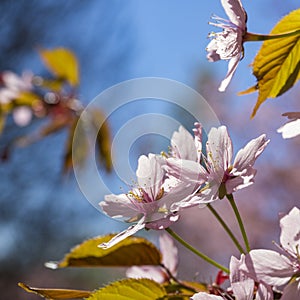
x,y
226,228
195,251
254,37
239,219
178,282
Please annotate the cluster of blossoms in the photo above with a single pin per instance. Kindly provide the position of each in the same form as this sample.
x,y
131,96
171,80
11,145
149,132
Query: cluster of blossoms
x,y
191,175
260,272
12,86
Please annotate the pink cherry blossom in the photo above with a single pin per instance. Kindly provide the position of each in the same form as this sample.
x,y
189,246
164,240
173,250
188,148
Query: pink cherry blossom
x,y
228,44
169,260
242,286
150,203
220,176
279,269
291,128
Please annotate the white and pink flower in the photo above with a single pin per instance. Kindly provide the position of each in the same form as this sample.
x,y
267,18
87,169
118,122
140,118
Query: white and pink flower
x,y
228,44
149,204
214,174
279,269
242,286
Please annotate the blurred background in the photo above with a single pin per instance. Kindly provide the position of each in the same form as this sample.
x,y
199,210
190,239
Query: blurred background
x,y
43,214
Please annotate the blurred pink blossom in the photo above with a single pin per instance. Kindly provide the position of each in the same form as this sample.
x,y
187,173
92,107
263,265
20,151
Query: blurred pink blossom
x,y
22,115
17,83
228,44
13,85
169,260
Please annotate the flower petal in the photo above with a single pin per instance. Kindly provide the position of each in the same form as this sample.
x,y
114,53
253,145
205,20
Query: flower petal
x,y
246,157
292,291
290,129
151,272
160,222
219,151
150,175
241,284
240,182
232,65
264,292
212,49
169,253
205,296
183,145
118,206
124,234
183,170
290,231
235,12
198,140
268,266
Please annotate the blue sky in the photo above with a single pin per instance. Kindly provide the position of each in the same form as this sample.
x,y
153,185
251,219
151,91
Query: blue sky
x,y
173,35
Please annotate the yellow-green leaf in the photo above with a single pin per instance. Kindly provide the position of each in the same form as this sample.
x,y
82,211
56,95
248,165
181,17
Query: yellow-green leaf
x,y
80,152
55,85
56,293
250,90
103,137
26,98
62,63
2,121
277,64
131,251
130,289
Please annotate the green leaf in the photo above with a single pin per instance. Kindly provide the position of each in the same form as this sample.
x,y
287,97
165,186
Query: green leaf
x,y
277,64
56,293
103,137
130,289
131,251
62,63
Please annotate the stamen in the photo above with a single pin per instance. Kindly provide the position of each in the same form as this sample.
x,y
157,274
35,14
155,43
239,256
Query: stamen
x,y
160,194
135,196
